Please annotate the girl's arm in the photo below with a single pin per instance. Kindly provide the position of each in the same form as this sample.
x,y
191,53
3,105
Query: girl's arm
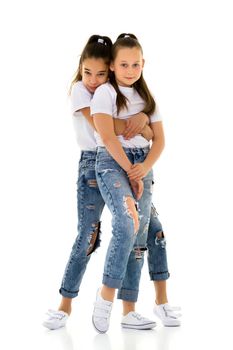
x,y
136,124
137,186
120,125
105,127
140,170
87,114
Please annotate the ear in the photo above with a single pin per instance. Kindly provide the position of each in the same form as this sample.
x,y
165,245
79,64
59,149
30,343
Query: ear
x,y
143,63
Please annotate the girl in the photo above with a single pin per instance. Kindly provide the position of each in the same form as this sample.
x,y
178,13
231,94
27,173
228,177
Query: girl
x,y
92,72
123,169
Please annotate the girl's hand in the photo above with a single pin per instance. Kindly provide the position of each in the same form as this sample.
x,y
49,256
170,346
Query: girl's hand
x,y
135,125
137,172
137,187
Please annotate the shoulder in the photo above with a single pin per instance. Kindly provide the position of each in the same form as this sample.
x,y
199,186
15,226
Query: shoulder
x,y
105,89
80,89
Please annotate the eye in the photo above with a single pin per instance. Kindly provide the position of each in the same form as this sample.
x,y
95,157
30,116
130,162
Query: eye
x,y
124,65
101,74
136,65
87,73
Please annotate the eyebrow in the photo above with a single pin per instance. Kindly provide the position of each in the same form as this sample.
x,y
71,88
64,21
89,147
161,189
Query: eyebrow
x,y
123,61
100,71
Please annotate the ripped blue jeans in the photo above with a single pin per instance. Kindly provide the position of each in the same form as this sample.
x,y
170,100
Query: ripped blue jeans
x,y
156,258
125,254
90,207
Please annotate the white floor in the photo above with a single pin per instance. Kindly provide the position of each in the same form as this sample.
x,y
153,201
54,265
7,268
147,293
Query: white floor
x,y
206,321
194,334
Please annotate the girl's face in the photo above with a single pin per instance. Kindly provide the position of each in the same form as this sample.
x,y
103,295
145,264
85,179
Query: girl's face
x,y
127,65
94,72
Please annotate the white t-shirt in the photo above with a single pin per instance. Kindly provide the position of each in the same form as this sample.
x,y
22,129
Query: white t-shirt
x,y
84,132
104,101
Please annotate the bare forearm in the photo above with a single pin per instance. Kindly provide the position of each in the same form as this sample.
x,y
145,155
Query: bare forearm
x,y
154,153
114,147
157,147
140,170
86,113
119,126
105,127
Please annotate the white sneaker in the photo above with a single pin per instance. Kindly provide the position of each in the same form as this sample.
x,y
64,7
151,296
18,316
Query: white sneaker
x,y
136,321
167,314
101,314
55,319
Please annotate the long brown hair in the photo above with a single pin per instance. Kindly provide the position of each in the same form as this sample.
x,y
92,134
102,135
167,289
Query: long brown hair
x,y
130,41
97,46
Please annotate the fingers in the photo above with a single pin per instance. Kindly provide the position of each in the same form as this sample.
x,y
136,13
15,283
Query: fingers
x,y
140,190
133,168
135,178
137,187
130,132
135,173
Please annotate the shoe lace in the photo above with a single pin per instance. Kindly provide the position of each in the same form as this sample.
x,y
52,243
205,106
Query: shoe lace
x,y
138,316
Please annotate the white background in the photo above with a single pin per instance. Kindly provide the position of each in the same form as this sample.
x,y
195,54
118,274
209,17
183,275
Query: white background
x,y
188,52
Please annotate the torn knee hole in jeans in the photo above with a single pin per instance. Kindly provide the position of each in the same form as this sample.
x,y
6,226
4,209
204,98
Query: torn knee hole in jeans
x,y
92,183
139,252
160,239
94,238
131,211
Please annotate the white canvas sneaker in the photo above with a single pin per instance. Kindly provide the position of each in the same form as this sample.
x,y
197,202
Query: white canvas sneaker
x,y
167,315
134,320
101,314
55,319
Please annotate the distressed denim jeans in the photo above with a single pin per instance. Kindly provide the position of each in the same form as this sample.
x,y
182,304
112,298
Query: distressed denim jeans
x,y
156,257
125,254
156,249
90,207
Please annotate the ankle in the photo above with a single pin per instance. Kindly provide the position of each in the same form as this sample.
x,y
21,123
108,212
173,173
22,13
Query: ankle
x,y
160,301
107,293
128,307
65,305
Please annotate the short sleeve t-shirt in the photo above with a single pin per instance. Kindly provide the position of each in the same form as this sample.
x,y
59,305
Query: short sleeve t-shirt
x,y
104,101
84,132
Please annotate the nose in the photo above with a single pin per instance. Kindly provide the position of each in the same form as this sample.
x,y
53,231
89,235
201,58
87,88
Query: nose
x,y
130,71
93,81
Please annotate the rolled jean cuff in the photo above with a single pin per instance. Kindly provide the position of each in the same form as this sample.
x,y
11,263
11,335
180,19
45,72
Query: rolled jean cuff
x,y
159,276
128,295
66,294
111,282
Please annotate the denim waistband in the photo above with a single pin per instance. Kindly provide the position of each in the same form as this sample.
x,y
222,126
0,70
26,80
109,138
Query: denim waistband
x,y
88,155
136,150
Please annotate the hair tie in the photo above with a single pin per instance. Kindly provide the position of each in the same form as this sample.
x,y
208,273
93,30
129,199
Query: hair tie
x,y
101,41
127,36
